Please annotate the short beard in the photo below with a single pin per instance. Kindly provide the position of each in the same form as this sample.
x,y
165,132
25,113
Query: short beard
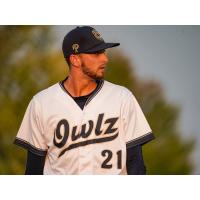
x,y
87,71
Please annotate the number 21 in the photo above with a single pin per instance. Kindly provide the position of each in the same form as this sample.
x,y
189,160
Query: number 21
x,y
108,154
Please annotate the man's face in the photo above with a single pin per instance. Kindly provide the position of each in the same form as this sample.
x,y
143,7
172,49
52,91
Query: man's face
x,y
94,64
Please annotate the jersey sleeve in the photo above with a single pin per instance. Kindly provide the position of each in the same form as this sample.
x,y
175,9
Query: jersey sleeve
x,y
136,127
31,132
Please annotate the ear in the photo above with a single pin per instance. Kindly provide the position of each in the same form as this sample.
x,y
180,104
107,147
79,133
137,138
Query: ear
x,y
75,60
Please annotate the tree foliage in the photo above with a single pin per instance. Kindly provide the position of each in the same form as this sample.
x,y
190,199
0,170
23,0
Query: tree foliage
x,y
28,64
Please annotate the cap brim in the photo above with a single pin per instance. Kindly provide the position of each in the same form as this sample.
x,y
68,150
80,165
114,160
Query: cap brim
x,y
102,47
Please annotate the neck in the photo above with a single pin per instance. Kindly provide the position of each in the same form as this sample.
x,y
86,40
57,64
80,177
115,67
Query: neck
x,y
79,85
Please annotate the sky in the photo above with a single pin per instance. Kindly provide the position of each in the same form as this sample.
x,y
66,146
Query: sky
x,y
168,54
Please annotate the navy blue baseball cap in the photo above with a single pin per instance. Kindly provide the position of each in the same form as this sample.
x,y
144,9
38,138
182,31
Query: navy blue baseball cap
x,y
84,39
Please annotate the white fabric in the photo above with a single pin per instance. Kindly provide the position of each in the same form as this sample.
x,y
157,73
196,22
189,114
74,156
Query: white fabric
x,y
134,121
118,113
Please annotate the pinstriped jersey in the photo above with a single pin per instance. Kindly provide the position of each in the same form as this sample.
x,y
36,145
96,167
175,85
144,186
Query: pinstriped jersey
x,y
89,141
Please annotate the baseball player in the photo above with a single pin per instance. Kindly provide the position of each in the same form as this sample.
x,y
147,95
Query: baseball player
x,y
84,124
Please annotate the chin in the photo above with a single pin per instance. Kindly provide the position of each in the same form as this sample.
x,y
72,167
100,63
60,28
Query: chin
x,y
97,76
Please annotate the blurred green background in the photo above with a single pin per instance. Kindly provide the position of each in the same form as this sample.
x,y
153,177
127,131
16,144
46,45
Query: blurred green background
x,y
30,63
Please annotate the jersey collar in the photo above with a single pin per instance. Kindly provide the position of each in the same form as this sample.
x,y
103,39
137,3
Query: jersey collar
x,y
92,94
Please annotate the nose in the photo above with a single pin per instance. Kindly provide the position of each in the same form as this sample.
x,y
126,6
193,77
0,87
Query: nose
x,y
104,57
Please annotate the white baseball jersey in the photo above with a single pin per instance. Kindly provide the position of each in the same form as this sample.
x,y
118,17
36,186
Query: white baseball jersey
x,y
88,141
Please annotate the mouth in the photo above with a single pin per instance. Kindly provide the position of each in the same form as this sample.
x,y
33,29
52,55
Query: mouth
x,y
102,67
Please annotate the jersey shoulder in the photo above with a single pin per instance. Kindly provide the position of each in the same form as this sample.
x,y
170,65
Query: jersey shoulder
x,y
48,93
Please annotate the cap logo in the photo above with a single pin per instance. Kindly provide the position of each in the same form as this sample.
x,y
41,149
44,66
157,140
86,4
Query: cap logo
x,y
97,34
75,48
